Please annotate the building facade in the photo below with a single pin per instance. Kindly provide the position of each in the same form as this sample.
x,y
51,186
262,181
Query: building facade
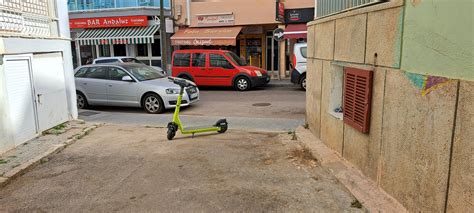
x,y
390,88
37,89
104,28
243,26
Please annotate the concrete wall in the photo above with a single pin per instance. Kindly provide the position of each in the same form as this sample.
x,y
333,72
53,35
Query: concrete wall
x,y
461,187
411,151
439,41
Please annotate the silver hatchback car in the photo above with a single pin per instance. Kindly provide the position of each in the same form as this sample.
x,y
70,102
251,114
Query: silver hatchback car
x,y
132,85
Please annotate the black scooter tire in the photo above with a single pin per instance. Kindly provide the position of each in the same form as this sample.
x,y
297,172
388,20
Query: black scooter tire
x,y
171,133
223,129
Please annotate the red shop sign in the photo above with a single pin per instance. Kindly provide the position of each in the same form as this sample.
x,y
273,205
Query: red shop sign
x,y
105,22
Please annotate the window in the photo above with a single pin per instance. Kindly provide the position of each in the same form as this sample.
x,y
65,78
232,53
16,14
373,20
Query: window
x,y
335,95
236,59
81,72
116,74
156,63
142,50
104,61
104,50
357,98
181,60
144,73
199,59
219,61
331,7
120,50
131,60
304,52
97,72
156,48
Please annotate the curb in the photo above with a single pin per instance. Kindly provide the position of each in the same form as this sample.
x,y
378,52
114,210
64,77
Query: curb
x,y
44,157
373,198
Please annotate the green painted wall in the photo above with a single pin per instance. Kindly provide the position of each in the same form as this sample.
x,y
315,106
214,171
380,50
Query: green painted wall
x,y
438,38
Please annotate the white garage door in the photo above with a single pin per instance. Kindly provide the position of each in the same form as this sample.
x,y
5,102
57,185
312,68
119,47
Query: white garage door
x,y
50,89
20,98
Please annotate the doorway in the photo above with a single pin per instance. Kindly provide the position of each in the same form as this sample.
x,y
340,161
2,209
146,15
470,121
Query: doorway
x,y
272,54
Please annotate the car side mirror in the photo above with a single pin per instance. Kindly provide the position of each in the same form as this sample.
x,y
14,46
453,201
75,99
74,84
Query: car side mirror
x,y
127,78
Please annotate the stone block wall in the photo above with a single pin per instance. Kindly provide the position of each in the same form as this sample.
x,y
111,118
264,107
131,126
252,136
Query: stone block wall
x,y
419,148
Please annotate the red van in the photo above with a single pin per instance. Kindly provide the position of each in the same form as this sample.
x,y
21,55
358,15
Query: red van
x,y
217,68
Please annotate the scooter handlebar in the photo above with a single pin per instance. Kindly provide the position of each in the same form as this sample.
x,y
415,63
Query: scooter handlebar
x,y
180,82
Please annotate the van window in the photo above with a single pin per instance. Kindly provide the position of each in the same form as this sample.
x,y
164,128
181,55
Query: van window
x,y
303,52
219,61
131,60
106,61
236,59
199,59
181,59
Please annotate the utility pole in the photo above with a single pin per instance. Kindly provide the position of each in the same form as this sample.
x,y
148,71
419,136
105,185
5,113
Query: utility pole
x,y
164,48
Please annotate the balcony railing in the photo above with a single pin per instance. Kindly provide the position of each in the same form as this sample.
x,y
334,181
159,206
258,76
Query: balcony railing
x,y
331,7
84,5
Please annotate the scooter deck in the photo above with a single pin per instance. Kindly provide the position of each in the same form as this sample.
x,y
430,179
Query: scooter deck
x,y
197,128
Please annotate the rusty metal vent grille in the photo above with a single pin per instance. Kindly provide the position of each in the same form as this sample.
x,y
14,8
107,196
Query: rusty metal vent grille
x,y
357,98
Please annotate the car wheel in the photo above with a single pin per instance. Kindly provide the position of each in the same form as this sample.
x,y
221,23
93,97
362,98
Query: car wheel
x,y
81,101
303,82
153,104
242,83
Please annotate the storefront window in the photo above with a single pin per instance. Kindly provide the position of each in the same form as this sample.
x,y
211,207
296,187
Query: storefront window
x,y
142,50
156,48
104,50
156,63
87,54
120,50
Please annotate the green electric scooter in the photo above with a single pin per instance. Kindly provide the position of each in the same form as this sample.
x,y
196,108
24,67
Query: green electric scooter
x,y
175,125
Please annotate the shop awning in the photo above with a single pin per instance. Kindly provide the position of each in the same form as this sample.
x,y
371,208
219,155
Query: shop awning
x,y
295,31
122,35
218,36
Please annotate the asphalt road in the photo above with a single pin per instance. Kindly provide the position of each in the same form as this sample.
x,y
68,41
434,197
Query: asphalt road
x,y
131,168
274,108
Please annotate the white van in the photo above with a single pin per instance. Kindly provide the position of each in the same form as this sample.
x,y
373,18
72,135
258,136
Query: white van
x,y
121,59
298,64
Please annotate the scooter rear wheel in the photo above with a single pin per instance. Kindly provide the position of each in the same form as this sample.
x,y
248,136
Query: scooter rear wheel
x,y
223,129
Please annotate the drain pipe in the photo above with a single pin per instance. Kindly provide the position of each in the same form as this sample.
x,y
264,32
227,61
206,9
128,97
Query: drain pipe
x,y
188,12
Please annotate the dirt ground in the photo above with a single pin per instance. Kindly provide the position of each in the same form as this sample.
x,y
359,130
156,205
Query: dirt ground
x,y
134,168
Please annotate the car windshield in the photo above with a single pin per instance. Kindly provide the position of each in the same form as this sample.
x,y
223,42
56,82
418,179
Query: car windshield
x,y
131,60
144,73
236,59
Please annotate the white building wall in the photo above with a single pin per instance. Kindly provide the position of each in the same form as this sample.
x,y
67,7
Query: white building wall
x,y
19,44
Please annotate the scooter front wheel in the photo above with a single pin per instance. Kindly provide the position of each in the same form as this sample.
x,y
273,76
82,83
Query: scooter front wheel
x,y
171,133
